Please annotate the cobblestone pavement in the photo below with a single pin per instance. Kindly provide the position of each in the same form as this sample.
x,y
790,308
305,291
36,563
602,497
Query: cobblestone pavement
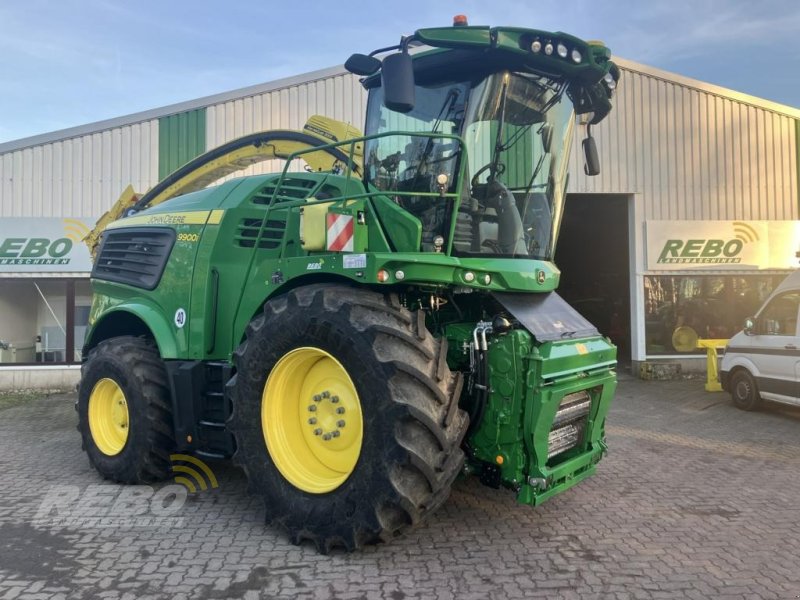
x,y
696,500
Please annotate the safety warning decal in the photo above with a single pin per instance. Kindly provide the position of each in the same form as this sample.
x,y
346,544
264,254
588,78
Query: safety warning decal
x,y
340,232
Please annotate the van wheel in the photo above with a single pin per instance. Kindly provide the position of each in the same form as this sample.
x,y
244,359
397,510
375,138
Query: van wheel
x,y
744,391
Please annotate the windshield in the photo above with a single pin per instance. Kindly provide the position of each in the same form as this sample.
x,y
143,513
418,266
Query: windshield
x,y
518,132
411,163
517,129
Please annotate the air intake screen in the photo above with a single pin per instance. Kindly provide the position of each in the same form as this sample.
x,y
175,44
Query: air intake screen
x,y
291,189
247,233
135,257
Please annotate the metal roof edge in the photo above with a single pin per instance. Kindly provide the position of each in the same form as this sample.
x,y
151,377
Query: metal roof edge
x,y
261,88
165,111
709,88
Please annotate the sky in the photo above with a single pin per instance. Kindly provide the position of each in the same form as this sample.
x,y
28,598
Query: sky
x,y
73,62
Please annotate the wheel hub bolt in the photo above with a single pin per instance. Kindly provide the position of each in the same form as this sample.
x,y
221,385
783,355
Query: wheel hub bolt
x,y
340,410
335,399
312,407
326,394
318,431
340,423
327,437
312,421
317,398
336,433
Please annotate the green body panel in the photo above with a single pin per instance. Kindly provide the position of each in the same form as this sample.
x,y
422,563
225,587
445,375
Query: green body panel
x,y
187,270
241,243
248,277
204,306
527,381
542,402
112,301
500,432
456,37
574,357
514,42
181,137
403,230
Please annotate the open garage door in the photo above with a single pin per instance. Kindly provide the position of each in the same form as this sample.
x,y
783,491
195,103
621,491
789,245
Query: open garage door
x,y
593,254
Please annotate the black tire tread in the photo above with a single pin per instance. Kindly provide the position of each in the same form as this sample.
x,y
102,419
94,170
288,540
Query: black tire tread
x,y
421,386
147,370
755,402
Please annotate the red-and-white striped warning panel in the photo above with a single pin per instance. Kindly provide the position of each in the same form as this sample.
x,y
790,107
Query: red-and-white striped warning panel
x,y
340,232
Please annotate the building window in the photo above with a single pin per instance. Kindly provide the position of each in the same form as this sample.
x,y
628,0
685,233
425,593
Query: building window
x,y
44,320
678,308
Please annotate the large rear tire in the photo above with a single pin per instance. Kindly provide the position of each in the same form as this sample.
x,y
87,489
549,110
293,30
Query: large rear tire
x,y
124,414
355,487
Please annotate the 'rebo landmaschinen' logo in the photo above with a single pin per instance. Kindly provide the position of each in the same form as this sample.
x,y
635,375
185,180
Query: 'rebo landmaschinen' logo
x,y
192,473
42,250
709,251
129,506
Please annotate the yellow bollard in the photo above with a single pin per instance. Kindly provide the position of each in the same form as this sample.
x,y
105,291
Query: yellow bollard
x,y
712,375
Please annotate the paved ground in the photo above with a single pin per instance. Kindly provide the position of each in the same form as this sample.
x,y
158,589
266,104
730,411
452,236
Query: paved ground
x,y
696,500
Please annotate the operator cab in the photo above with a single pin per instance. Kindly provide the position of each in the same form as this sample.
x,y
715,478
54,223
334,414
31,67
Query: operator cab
x,y
486,126
517,130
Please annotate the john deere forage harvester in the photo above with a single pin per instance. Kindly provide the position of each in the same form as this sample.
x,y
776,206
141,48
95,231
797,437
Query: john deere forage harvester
x,y
357,334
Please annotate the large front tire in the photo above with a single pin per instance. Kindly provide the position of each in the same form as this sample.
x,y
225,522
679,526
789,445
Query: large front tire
x,y
390,475
124,414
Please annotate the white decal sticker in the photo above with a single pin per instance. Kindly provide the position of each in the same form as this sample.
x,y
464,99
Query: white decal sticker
x,y
355,261
180,318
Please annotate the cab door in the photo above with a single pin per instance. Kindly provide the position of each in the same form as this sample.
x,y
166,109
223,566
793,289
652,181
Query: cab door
x,y
776,348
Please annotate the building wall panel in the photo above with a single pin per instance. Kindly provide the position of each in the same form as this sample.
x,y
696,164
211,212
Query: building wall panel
x,y
689,151
80,176
340,97
693,154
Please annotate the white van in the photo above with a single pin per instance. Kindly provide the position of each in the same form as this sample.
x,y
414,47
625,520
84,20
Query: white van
x,y
763,361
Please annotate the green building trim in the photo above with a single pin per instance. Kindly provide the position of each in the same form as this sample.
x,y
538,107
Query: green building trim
x,y
181,137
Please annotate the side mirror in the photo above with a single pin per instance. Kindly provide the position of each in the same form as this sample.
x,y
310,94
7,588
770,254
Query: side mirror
x,y
397,79
547,137
362,64
592,162
749,326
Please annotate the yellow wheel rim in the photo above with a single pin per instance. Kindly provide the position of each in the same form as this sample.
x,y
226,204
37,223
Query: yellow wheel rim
x,y
684,339
108,417
311,419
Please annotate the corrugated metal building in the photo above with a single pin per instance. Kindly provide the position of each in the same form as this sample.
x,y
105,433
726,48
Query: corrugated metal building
x,y
680,158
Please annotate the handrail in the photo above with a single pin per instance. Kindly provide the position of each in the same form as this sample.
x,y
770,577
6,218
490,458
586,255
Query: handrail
x,y
352,143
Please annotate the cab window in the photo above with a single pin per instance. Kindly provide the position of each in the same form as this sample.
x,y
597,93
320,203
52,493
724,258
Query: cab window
x,y
780,315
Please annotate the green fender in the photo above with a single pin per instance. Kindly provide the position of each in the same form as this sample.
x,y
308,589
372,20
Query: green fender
x,y
117,321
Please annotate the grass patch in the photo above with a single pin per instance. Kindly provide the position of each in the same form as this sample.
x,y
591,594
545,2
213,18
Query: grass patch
x,y
10,399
